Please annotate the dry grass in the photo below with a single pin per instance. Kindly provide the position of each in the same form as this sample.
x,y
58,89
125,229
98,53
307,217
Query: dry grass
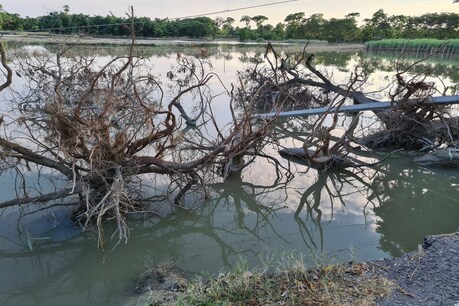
x,y
298,285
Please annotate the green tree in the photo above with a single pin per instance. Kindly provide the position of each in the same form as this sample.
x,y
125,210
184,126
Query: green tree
x,y
227,28
377,27
279,31
12,22
437,25
341,30
259,19
402,26
293,24
246,19
313,27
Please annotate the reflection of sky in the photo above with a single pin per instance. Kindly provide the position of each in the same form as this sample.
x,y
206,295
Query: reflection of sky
x,y
355,202
203,240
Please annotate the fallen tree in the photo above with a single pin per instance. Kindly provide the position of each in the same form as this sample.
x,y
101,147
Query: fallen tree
x,y
292,82
102,127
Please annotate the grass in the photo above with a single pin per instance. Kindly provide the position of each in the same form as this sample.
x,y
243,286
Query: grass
x,y
292,283
414,45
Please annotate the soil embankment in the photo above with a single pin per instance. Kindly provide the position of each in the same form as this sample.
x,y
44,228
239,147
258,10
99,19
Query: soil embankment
x,y
429,276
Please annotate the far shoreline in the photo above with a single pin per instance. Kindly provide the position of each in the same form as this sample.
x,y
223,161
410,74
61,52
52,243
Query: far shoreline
x,y
315,46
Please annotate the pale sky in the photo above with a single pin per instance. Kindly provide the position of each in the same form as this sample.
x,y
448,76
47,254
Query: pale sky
x,y
180,8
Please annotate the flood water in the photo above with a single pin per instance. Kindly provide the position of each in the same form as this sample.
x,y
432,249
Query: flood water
x,y
345,215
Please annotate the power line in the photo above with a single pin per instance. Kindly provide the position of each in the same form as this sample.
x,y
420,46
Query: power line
x,y
238,9
173,18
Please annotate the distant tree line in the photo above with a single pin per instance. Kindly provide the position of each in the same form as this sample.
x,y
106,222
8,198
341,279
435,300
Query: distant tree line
x,y
295,26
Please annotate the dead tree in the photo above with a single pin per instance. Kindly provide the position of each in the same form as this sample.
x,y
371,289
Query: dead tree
x,y
104,126
410,124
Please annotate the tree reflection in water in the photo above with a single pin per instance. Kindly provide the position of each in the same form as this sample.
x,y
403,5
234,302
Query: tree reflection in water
x,y
407,202
414,203
334,189
77,271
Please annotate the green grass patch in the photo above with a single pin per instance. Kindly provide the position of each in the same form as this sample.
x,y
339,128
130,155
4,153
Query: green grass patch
x,y
414,45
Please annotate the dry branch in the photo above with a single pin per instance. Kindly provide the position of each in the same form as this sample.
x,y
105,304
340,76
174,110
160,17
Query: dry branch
x,y
61,194
104,126
9,71
410,124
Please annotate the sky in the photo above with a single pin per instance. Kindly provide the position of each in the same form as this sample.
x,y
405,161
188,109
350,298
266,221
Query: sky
x,y
275,13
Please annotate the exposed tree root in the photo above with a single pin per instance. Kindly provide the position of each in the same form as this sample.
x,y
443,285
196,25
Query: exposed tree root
x,y
102,126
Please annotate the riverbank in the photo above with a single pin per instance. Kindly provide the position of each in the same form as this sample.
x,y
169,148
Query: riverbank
x,y
428,276
88,40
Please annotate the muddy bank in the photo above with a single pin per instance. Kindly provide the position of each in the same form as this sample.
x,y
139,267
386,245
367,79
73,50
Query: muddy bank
x,y
429,276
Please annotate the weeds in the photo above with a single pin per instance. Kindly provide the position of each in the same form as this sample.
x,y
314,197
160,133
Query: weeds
x,y
293,283
426,45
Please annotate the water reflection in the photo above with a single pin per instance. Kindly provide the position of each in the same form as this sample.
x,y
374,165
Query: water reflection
x,y
414,203
444,69
333,187
399,201
388,209
374,212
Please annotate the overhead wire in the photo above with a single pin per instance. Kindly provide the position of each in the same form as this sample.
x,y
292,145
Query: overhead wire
x,y
172,18
238,9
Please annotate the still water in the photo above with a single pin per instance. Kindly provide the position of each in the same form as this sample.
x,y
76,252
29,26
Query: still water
x,y
347,215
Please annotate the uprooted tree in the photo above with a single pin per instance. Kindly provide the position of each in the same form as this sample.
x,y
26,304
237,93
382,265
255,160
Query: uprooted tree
x,y
102,127
284,82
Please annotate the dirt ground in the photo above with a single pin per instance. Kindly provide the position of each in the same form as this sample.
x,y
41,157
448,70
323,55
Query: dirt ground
x,y
429,276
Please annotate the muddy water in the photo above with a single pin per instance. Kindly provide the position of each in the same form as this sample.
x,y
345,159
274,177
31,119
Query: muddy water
x,y
368,214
